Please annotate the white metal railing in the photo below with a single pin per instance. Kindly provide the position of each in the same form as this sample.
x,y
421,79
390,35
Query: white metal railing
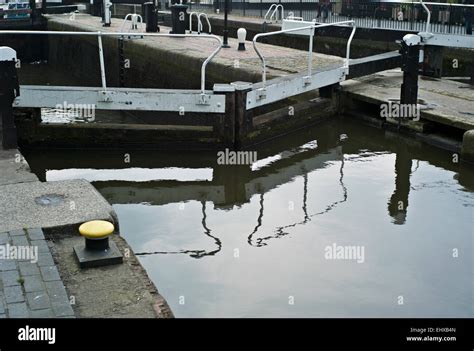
x,y
199,22
112,34
428,12
135,20
273,11
200,29
191,14
310,29
291,16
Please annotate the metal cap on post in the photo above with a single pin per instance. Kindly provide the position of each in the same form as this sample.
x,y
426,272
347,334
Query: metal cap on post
x,y
97,250
241,35
9,89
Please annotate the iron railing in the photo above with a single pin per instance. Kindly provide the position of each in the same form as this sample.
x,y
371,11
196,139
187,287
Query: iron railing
x,y
454,17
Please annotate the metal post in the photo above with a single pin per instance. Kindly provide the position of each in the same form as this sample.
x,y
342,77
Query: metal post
x,y
225,43
106,14
9,89
410,52
310,53
178,18
102,64
151,17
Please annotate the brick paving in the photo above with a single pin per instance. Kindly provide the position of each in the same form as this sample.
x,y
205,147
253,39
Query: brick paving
x,y
30,288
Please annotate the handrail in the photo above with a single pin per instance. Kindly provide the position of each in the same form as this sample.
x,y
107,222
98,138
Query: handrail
x,y
310,61
135,18
112,34
428,19
291,16
282,14
271,8
200,27
191,22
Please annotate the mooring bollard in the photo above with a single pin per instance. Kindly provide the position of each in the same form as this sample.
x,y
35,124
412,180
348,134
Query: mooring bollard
x,y
241,35
106,13
178,18
9,89
151,17
98,250
410,52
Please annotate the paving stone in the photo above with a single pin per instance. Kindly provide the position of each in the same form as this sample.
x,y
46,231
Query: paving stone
x,y
13,294
20,241
63,310
16,232
57,291
46,313
50,273
4,238
38,300
33,283
10,278
42,245
18,310
7,265
45,259
28,268
35,234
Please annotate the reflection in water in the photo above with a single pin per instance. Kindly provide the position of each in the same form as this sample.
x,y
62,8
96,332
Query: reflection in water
x,y
193,253
280,231
398,203
402,249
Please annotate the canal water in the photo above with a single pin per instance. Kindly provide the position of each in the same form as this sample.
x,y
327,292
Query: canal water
x,y
340,220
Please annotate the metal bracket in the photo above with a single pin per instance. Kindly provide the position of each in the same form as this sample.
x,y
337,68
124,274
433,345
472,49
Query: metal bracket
x,y
307,80
105,96
204,99
261,93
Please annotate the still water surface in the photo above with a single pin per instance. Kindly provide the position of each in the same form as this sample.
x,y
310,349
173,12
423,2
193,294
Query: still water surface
x,y
240,241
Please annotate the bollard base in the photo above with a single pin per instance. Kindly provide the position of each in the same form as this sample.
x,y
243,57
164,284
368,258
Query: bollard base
x,y
91,258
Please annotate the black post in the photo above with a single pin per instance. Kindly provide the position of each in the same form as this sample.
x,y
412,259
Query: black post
x,y
151,17
33,11
9,89
121,62
410,52
178,18
225,43
301,8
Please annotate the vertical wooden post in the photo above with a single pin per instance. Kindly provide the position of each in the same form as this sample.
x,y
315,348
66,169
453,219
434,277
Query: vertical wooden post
x,y
227,128
243,118
410,51
9,89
